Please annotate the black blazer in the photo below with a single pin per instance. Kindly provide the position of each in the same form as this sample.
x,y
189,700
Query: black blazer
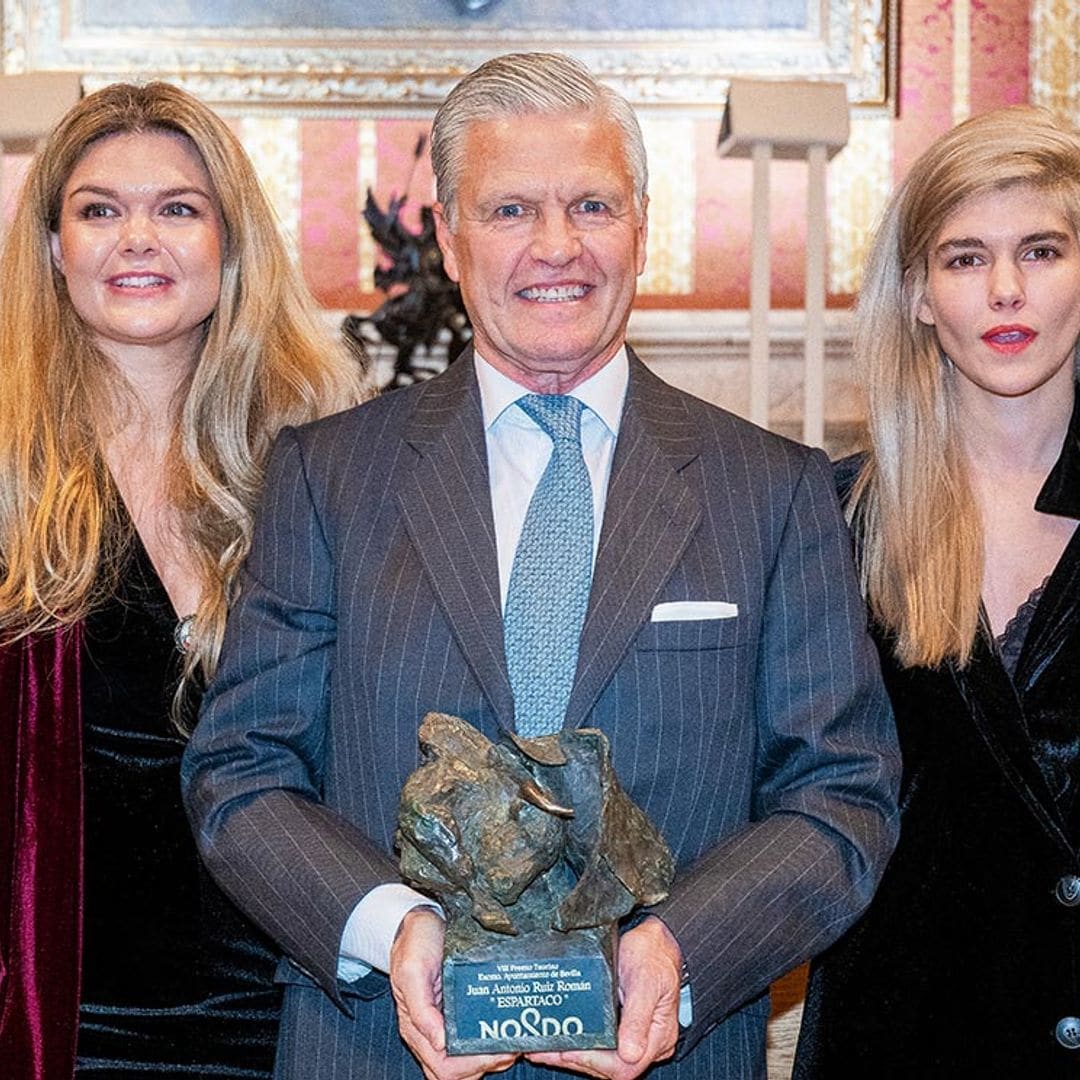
x,y
968,959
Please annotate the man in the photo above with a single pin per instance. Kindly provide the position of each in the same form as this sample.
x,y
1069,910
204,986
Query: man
x,y
702,611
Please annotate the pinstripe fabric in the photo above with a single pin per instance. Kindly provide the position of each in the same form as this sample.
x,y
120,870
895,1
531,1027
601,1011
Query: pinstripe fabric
x,y
762,746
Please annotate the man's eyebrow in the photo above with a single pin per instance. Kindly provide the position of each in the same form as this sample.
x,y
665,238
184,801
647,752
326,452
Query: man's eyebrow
x,y
508,195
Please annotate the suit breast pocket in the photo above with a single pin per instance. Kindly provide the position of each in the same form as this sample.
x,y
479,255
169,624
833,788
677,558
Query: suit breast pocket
x,y
692,635
682,714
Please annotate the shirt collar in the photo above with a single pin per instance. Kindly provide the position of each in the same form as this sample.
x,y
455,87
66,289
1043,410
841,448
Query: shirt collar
x,y
603,392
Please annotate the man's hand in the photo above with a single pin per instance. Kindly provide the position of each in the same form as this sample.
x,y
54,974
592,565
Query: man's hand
x,y
650,974
416,982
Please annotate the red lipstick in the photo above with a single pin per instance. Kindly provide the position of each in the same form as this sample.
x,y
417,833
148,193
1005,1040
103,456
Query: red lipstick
x,y
1013,338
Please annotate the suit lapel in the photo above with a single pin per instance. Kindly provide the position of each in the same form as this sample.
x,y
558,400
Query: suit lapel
x,y
998,715
1055,618
997,704
649,517
446,506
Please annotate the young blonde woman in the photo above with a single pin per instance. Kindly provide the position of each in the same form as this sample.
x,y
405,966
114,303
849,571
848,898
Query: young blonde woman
x,y
964,514
154,337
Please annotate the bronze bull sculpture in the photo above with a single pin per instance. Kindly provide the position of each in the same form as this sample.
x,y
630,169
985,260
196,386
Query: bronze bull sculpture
x,y
526,834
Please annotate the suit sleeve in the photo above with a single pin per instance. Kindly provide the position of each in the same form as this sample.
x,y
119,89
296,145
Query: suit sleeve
x,y
252,772
824,822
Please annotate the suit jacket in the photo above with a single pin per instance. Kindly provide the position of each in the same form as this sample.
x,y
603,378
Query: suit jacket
x,y
762,745
967,960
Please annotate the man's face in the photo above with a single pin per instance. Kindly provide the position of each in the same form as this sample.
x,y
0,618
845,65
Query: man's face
x,y
546,245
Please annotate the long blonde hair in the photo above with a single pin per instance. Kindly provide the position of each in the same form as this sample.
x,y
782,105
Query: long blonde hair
x,y
912,507
266,361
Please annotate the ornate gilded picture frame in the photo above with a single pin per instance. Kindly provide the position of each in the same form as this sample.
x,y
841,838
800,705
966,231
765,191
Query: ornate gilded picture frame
x,y
404,56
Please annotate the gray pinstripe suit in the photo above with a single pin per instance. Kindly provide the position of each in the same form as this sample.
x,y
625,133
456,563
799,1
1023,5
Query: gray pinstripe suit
x,y
762,746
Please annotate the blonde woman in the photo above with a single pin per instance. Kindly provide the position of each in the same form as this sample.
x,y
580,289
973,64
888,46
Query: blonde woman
x,y
153,340
964,513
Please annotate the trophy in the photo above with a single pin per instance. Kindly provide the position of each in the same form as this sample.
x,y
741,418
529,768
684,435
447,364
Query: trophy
x,y
535,853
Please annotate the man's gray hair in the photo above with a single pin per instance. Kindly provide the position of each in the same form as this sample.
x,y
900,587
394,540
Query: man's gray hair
x,y
520,84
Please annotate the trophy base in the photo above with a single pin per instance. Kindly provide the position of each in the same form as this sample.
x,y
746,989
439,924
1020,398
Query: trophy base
x,y
544,990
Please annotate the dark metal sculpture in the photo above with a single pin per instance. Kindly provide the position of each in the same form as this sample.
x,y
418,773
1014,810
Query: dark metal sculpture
x,y
422,302
535,852
475,827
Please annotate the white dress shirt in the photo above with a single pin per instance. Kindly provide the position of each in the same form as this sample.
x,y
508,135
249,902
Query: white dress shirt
x,y
518,451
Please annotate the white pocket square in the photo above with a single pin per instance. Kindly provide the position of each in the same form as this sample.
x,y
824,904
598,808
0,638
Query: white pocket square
x,y
684,610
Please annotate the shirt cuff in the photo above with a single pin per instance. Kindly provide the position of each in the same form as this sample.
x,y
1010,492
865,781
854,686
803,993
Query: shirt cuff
x,y
370,930
686,1006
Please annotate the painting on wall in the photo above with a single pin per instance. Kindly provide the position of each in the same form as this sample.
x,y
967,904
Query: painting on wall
x,y
352,55
454,15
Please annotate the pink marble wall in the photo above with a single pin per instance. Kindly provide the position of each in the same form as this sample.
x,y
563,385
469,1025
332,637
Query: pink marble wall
x,y
1000,58
999,68
328,220
924,90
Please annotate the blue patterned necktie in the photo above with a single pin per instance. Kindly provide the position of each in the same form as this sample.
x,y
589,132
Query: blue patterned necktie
x,y
552,571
